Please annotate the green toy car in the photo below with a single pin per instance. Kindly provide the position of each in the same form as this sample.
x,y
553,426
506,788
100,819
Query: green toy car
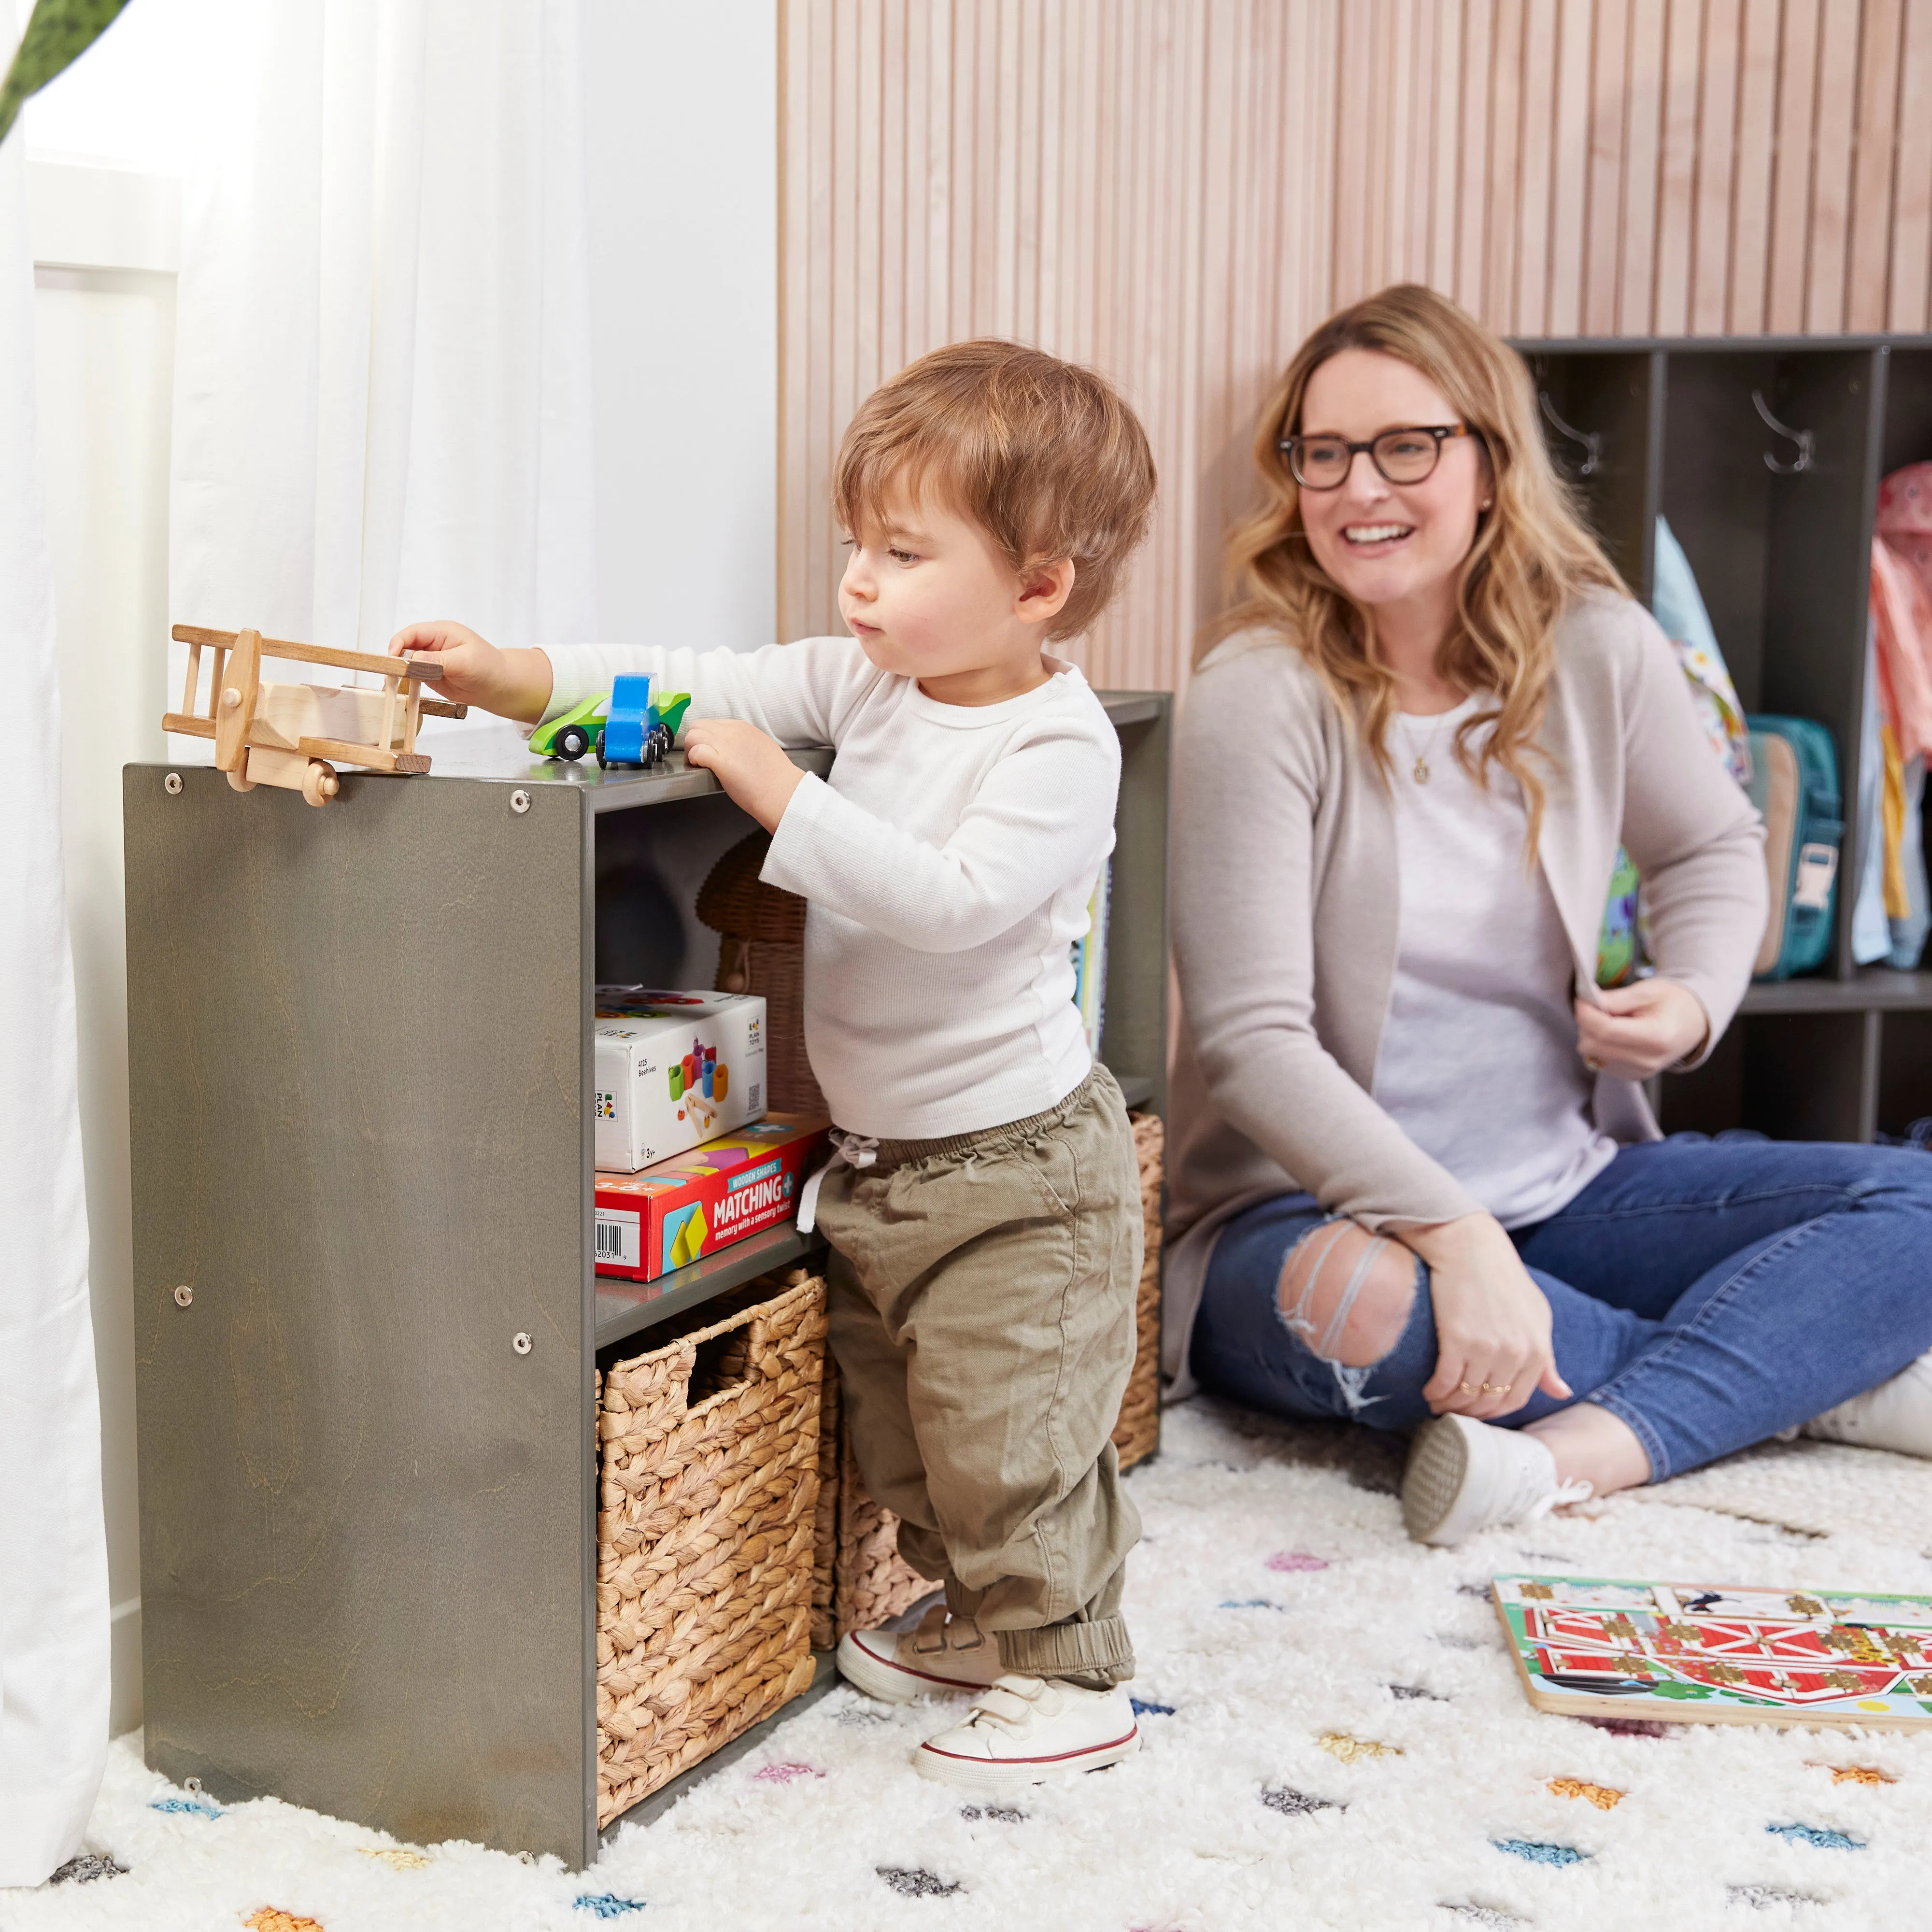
x,y
570,735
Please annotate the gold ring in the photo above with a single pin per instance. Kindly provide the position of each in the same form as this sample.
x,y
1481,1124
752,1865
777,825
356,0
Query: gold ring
x,y
1493,1388
1468,1388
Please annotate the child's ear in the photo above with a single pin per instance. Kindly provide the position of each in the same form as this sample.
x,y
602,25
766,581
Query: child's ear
x,y
1045,587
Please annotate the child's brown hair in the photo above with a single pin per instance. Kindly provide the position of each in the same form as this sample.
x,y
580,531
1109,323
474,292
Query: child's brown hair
x,y
1043,455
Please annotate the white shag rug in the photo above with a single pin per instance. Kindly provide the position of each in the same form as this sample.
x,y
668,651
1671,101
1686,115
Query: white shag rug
x,y
1333,1736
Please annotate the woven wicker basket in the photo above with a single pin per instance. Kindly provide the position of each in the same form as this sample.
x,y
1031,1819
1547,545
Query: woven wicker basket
x,y
1137,1434
859,1579
706,1522
761,949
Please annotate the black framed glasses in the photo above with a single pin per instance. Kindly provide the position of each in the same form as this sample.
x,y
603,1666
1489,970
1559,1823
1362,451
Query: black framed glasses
x,y
1402,455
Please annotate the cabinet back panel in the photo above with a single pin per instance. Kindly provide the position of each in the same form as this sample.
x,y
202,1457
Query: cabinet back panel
x,y
1908,409
1717,495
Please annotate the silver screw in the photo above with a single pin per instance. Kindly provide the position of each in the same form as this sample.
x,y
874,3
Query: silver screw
x,y
520,1342
172,784
184,1295
520,802
191,1784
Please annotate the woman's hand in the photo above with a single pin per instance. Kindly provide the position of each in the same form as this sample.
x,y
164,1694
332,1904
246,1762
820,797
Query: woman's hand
x,y
513,684
1491,1322
751,766
1642,1029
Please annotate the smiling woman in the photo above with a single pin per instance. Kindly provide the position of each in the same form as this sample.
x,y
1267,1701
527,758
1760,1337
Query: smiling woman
x,y
1416,1181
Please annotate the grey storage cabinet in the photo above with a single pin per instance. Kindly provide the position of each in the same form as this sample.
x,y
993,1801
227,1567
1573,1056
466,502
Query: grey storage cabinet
x,y
366,1325
1782,557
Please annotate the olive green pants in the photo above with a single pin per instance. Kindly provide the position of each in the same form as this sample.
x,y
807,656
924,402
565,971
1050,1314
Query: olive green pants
x,y
981,1304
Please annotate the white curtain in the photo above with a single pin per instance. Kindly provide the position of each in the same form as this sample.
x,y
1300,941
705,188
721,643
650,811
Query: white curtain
x,y
382,367
53,1550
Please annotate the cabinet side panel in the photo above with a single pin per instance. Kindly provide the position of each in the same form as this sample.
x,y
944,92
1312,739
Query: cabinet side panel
x,y
356,1059
1134,1037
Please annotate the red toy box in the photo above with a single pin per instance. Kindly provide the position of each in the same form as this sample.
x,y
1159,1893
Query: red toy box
x,y
740,1183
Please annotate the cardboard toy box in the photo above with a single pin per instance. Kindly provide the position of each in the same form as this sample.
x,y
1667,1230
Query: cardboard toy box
x,y
671,1069
738,1184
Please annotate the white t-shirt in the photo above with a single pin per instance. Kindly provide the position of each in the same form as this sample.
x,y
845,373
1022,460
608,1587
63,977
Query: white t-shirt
x,y
947,863
1478,1063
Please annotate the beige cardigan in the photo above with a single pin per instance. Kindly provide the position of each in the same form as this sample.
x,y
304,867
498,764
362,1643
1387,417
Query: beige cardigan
x,y
1285,927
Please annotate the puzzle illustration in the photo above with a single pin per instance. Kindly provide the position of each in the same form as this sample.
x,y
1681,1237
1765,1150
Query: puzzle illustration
x,y
1695,1653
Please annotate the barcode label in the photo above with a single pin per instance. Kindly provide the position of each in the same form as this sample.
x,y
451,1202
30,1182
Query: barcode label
x,y
756,1108
619,1237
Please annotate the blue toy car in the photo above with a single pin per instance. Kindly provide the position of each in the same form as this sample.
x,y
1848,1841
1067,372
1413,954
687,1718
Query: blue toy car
x,y
635,731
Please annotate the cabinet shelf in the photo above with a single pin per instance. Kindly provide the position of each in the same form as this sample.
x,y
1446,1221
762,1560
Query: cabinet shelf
x,y
1873,988
627,1308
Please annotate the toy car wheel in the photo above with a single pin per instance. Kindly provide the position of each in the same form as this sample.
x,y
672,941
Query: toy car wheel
x,y
600,748
572,742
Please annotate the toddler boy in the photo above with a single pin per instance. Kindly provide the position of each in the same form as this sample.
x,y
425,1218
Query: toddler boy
x,y
983,1204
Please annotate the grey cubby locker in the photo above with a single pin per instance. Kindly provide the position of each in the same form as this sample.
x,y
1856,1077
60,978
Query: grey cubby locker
x,y
1783,561
366,1325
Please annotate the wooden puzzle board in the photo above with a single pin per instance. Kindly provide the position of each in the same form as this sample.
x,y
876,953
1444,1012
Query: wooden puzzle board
x,y
1704,1653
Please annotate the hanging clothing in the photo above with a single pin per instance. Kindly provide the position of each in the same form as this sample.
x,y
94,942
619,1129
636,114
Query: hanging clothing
x,y
54,1670
1901,602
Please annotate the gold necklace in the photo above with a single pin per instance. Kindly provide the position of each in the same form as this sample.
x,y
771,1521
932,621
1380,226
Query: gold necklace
x,y
1419,771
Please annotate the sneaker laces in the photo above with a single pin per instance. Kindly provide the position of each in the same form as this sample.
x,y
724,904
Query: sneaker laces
x,y
1534,1493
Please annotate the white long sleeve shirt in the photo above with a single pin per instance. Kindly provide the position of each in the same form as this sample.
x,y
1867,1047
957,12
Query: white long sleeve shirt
x,y
947,863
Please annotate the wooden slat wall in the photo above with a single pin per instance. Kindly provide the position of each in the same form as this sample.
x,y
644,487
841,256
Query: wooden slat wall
x,y
1176,190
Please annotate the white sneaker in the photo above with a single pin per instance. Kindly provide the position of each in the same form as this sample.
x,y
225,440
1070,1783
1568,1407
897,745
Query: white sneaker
x,y
944,1656
1896,1414
1025,1730
1463,1475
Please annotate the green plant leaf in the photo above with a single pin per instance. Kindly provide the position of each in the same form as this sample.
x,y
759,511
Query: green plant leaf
x,y
59,33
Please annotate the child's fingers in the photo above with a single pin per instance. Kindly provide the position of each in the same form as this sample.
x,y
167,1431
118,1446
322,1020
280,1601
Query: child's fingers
x,y
438,637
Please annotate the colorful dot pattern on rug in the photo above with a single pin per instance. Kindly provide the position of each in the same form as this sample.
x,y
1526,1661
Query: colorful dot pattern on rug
x,y
1346,1748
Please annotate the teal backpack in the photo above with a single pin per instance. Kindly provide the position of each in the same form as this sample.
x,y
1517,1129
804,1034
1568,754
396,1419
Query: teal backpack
x,y
1795,785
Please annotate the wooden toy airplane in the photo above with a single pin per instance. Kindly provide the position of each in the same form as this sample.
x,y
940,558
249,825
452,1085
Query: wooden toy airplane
x,y
286,734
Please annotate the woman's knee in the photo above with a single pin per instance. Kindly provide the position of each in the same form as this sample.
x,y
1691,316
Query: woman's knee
x,y
1347,1293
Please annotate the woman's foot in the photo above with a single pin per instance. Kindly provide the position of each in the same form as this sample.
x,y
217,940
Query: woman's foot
x,y
1463,1476
1896,1414
944,1657
1025,1730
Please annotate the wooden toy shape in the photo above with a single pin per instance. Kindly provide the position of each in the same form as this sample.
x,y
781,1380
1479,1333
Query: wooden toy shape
x,y
286,734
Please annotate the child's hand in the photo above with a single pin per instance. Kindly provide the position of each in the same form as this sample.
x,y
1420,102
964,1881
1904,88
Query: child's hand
x,y
1642,1029
513,684
750,767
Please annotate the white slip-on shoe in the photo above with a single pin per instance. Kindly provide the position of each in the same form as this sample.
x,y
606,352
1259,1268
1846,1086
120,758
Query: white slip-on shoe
x,y
1025,1730
945,1657
1463,1475
1896,1414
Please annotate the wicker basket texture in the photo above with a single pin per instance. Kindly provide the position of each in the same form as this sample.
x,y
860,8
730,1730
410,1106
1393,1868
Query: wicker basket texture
x,y
860,1579
1137,1434
761,949
707,1510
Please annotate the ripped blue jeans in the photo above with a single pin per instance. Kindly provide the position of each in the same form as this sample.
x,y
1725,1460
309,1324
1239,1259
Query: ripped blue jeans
x,y
1710,1293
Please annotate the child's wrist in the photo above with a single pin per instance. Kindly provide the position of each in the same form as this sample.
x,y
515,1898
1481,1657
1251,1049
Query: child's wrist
x,y
527,681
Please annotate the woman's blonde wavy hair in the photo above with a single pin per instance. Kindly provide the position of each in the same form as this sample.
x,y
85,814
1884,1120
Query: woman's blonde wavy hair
x,y
1531,557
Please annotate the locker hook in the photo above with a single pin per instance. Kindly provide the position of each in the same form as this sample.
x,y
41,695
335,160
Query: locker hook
x,y
1592,440
1806,443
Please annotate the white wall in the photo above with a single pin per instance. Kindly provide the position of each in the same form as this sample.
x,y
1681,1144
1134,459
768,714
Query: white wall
x,y
680,108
